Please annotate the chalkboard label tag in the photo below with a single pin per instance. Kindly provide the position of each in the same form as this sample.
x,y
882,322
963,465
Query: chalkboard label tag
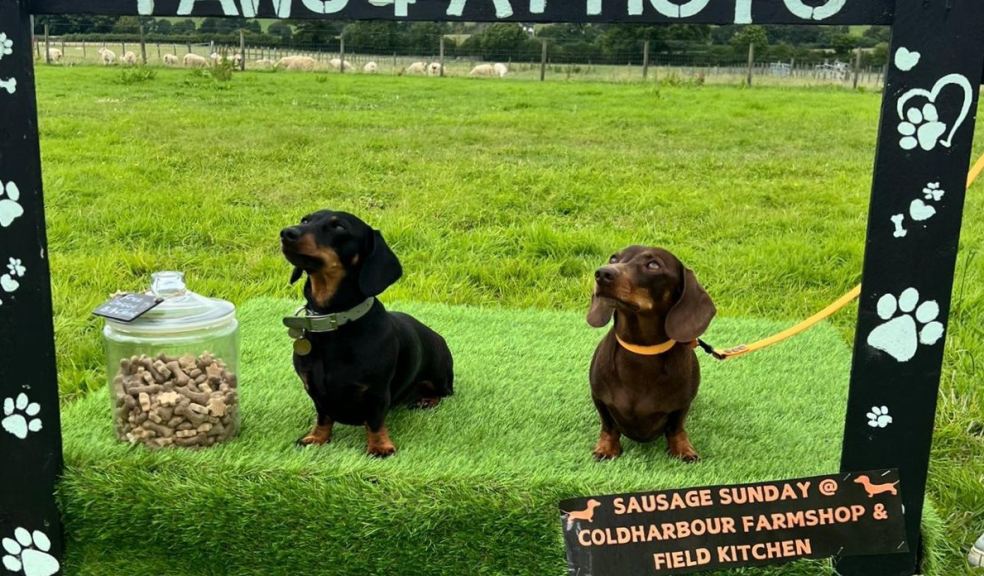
x,y
127,307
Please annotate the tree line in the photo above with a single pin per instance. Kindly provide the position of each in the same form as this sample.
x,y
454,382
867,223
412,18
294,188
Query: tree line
x,y
568,43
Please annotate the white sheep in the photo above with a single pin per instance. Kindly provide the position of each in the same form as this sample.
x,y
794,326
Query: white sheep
x,y
54,55
297,63
434,69
370,68
194,61
337,63
170,60
415,68
483,70
264,63
501,69
108,56
129,58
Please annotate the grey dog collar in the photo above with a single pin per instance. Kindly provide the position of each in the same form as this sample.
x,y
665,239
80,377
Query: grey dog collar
x,y
327,322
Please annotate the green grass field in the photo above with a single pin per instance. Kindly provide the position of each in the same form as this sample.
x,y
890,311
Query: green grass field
x,y
494,194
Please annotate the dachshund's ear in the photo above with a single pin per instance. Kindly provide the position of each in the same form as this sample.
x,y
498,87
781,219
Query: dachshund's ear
x,y
380,268
693,311
296,274
601,312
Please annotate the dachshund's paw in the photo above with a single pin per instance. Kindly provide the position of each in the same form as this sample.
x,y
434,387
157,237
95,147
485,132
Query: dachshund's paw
x,y
607,451
381,450
687,454
318,435
427,403
311,439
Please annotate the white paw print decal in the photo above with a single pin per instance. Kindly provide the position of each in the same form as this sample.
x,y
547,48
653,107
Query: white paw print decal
x,y
6,45
920,124
921,127
9,282
878,417
931,191
19,416
900,335
27,552
919,210
10,208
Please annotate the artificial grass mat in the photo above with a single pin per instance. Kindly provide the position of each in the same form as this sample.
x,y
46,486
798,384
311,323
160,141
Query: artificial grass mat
x,y
474,486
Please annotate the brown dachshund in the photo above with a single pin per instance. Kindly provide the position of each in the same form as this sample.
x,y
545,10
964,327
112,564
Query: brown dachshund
x,y
644,373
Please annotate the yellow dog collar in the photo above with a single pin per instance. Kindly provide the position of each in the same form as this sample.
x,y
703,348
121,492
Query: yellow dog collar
x,y
654,350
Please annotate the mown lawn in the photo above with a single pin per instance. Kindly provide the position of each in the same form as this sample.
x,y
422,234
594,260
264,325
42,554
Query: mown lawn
x,y
493,193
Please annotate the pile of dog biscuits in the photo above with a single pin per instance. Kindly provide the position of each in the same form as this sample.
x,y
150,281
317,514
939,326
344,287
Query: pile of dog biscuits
x,y
182,401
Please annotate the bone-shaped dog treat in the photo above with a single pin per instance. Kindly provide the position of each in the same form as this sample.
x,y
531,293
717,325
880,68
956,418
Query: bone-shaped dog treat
x,y
160,430
196,397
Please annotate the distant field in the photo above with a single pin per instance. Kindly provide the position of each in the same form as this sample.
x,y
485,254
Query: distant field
x,y
75,54
493,193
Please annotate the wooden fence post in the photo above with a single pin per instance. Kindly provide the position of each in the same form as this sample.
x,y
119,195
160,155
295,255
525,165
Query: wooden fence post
x,y
857,67
341,56
751,62
543,59
143,45
242,50
645,60
441,58
47,44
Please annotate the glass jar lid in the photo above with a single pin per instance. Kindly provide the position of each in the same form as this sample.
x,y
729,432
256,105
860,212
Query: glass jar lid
x,y
181,311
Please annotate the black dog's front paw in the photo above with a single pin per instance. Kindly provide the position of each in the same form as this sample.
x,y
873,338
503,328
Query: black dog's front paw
x,y
318,435
378,444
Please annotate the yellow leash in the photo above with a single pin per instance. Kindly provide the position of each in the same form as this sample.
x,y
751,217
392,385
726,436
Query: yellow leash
x,y
844,300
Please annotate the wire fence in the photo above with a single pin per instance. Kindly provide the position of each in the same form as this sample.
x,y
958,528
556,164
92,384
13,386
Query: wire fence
x,y
640,66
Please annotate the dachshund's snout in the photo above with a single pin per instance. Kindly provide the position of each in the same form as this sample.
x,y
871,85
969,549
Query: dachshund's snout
x,y
291,235
605,275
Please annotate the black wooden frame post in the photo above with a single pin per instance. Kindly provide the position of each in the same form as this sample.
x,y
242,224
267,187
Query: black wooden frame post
x,y
924,147
30,431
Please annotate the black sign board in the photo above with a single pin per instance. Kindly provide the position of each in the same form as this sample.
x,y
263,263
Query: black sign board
x,y
127,307
723,527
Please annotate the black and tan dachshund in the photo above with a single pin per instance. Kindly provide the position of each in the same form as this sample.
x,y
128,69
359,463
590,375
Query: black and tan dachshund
x,y
644,373
373,359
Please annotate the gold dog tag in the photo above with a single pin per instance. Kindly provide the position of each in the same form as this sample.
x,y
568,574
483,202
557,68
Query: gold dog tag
x,y
295,333
302,346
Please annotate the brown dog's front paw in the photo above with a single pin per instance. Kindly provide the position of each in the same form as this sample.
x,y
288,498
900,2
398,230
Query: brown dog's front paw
x,y
688,458
607,450
318,435
683,451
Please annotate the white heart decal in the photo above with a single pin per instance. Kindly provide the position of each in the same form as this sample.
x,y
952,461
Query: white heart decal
x,y
8,284
931,95
920,211
905,59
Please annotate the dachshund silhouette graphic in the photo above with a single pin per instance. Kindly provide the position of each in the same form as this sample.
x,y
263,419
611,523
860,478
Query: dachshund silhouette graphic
x,y
874,489
587,514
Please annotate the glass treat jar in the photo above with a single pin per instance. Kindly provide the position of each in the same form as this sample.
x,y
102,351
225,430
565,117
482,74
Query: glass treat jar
x,y
173,371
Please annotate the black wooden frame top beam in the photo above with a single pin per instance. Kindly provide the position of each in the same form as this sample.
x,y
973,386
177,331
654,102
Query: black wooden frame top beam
x,y
639,11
